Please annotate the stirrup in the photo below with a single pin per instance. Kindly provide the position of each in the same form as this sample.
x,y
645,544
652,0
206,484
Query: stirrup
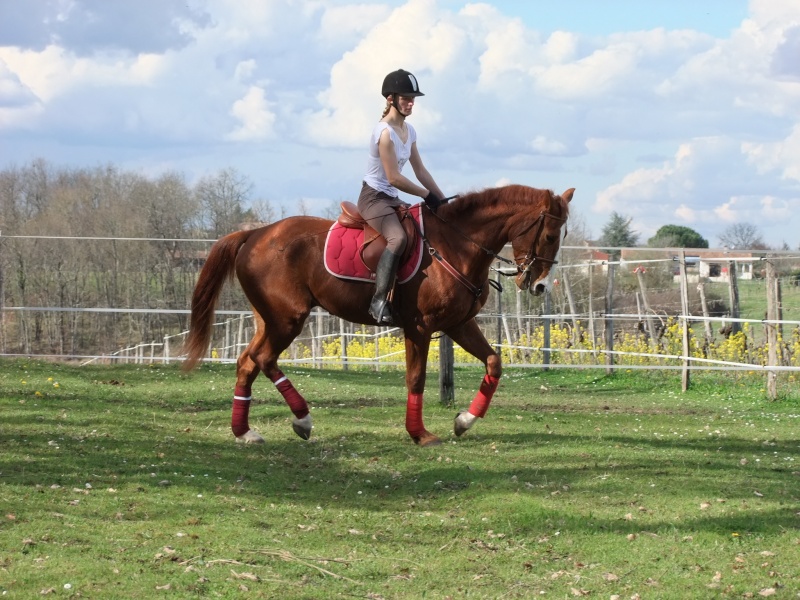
x,y
382,313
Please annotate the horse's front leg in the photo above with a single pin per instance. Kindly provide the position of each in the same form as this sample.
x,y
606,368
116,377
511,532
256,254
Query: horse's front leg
x,y
416,362
470,338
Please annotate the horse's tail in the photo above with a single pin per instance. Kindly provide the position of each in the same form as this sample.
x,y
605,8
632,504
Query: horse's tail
x,y
218,269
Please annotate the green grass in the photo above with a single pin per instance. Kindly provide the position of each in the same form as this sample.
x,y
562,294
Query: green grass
x,y
125,482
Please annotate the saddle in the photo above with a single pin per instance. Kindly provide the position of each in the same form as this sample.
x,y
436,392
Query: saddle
x,y
353,248
374,243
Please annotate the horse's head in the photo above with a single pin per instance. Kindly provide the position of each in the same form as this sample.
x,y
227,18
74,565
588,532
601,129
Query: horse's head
x,y
536,239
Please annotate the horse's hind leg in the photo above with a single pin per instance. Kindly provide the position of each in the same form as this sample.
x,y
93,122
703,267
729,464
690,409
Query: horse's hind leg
x,y
416,362
264,351
246,373
470,338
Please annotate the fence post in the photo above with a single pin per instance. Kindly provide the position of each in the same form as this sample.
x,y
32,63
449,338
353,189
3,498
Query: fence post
x,y
317,341
499,305
226,344
685,373
377,339
240,335
166,350
592,333
576,334
648,314
546,332
343,343
447,392
772,330
704,305
609,320
733,290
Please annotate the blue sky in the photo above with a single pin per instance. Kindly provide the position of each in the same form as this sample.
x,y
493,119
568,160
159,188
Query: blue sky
x,y
679,112
602,17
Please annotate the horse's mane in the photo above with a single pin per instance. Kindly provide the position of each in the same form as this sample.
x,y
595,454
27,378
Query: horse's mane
x,y
514,195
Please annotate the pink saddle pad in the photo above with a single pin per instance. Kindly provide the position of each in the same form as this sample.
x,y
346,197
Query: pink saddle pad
x,y
343,259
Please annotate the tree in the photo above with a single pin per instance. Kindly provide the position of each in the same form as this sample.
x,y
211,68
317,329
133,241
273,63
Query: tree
x,y
223,197
617,233
677,236
742,236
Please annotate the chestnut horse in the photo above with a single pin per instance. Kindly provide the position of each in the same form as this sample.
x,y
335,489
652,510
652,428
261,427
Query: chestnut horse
x,y
280,268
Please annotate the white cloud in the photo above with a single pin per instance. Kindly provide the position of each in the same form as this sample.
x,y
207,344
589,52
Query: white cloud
x,y
255,116
781,156
504,101
343,23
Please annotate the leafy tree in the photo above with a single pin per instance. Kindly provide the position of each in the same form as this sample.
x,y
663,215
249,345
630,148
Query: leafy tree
x,y
742,236
618,232
677,236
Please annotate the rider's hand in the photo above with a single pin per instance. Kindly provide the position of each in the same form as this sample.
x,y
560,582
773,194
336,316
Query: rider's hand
x,y
433,201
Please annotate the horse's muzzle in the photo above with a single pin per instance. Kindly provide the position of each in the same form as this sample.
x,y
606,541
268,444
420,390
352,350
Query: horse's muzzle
x,y
538,289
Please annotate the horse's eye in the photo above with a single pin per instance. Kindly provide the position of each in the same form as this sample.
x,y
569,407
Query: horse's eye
x,y
550,239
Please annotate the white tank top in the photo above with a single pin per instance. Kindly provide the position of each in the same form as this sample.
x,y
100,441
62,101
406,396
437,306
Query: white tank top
x,y
376,175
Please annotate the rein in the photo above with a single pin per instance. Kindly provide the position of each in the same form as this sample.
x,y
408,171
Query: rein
x,y
523,264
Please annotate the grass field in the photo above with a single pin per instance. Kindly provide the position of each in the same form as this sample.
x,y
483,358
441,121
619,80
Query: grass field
x,y
125,482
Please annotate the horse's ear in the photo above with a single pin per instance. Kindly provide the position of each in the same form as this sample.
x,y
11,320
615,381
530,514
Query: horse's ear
x,y
568,194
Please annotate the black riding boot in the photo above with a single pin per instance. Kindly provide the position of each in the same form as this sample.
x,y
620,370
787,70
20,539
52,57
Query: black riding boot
x,y
379,308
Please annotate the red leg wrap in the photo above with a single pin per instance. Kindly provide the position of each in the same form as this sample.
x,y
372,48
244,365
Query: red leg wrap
x,y
239,424
241,409
293,398
480,404
414,425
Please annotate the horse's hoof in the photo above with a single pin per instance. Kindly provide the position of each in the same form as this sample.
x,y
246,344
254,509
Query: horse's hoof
x,y
464,420
302,427
250,437
426,439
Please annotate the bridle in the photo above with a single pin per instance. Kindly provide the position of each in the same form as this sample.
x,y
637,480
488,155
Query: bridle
x,y
525,263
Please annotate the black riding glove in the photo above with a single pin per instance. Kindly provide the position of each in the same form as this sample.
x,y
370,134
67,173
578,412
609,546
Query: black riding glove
x,y
433,201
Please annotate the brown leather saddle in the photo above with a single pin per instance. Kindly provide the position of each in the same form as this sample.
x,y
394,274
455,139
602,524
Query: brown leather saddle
x,y
374,243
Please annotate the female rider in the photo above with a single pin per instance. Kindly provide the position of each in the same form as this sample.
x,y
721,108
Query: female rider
x,y
392,144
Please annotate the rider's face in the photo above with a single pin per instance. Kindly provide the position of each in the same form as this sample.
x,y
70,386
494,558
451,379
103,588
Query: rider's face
x,y
405,104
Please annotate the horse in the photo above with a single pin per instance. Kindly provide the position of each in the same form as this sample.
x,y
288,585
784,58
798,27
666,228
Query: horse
x,y
280,269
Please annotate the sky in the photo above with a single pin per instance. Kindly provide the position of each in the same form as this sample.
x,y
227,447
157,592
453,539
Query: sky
x,y
684,112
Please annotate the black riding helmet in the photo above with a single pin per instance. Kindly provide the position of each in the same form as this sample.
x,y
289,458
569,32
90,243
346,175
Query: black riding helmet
x,y
401,83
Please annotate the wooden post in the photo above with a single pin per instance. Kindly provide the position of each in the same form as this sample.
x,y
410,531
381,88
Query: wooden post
x,y
772,330
239,336
447,390
648,313
377,348
546,332
226,345
316,340
343,343
592,335
166,349
736,327
685,318
704,304
499,307
576,334
609,320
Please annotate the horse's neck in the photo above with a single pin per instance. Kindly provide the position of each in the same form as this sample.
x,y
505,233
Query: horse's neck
x,y
469,243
